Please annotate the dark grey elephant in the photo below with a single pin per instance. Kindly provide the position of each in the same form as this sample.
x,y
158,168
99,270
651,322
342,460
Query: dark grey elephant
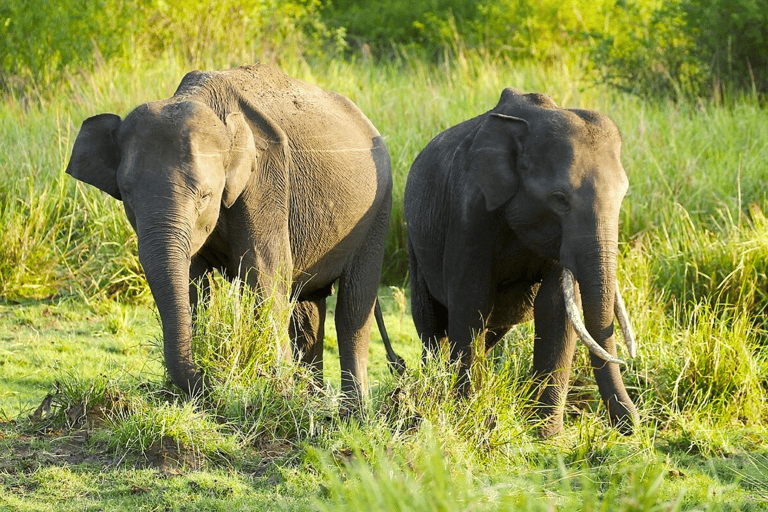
x,y
503,211
261,176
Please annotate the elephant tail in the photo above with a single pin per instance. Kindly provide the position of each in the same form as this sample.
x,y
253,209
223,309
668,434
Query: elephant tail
x,y
396,363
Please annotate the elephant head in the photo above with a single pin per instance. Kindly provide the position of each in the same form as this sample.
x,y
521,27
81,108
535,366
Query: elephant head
x,y
557,175
175,165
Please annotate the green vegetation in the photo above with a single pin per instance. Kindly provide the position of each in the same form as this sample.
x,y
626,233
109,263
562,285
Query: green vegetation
x,y
88,420
649,47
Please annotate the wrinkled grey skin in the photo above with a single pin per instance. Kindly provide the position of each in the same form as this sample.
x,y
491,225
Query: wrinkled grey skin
x,y
496,207
261,176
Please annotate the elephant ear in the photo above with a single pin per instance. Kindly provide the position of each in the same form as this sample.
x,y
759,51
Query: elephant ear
x,y
95,155
242,158
493,157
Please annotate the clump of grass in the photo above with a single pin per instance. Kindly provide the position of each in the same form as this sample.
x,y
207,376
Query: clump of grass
x,y
181,428
101,260
715,285
77,402
238,342
699,311
479,425
237,336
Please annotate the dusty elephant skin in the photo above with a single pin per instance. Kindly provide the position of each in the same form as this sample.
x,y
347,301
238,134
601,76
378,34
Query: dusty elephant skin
x,y
502,210
261,176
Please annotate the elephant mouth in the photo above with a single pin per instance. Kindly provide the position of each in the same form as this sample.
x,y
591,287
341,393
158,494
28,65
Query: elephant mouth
x,y
569,292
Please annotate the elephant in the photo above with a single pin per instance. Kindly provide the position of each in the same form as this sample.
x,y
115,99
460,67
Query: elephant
x,y
508,215
265,178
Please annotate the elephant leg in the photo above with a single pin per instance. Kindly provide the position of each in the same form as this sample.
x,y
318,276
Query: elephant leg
x,y
358,289
260,272
429,316
307,331
512,306
467,321
553,351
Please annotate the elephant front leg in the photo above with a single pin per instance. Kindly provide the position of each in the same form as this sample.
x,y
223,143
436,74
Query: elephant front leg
x,y
469,307
264,271
429,316
553,351
467,321
307,331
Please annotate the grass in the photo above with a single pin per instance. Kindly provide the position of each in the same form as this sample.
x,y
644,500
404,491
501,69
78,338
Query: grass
x,y
89,420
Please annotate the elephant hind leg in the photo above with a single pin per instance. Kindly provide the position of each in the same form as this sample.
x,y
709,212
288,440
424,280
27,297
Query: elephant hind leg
x,y
307,331
358,290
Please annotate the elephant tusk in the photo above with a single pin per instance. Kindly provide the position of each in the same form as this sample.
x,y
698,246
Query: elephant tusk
x,y
572,310
627,332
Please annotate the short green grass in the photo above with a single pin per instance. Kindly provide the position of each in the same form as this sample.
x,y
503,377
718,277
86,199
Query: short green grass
x,y
89,421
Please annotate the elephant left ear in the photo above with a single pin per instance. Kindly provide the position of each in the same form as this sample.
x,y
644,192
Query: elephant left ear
x,y
493,157
242,158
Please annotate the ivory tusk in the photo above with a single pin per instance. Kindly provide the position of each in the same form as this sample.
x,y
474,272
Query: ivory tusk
x,y
572,309
627,332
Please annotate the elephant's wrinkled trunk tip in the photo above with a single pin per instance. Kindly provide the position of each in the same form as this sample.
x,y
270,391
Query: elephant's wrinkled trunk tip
x,y
569,293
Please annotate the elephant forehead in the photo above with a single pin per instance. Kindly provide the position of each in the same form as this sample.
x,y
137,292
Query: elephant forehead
x,y
569,163
173,131
174,123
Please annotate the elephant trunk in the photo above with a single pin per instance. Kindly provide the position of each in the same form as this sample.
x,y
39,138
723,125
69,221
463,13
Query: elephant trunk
x,y
569,291
165,255
599,291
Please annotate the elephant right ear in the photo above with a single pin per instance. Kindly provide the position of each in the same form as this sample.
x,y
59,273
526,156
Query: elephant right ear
x,y
493,157
95,156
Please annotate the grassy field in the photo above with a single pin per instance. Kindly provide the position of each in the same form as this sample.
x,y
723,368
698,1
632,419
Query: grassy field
x,y
88,421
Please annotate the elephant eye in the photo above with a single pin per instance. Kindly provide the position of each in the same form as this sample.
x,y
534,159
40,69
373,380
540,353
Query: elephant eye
x,y
127,198
202,202
559,201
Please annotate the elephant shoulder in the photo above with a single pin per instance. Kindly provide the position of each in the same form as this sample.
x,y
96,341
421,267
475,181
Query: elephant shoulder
x,y
452,142
440,169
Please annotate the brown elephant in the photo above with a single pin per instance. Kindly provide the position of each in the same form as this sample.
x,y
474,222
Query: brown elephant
x,y
263,177
503,211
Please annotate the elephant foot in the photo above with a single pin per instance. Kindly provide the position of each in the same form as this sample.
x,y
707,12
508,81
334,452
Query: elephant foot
x,y
551,427
194,385
550,422
352,404
351,410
